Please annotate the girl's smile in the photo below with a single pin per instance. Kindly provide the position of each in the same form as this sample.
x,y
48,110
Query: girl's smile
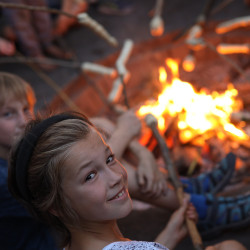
x,y
123,194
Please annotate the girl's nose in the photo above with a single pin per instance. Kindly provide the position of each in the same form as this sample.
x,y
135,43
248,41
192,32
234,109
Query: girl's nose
x,y
115,176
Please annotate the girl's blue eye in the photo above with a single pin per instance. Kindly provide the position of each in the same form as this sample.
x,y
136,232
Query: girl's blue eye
x,y
90,177
110,159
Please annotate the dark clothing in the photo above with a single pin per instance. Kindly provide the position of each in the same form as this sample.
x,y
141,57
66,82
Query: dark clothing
x,y
18,230
33,28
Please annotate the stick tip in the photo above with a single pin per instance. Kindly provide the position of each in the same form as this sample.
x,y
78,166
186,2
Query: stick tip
x,y
150,120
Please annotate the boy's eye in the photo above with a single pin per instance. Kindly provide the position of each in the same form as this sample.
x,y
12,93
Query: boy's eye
x,y
7,114
90,176
111,158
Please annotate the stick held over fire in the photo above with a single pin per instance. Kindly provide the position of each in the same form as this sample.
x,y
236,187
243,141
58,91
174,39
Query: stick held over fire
x,y
157,23
151,122
233,24
123,73
85,19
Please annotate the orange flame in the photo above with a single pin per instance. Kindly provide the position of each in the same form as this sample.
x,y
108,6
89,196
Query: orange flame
x,y
197,112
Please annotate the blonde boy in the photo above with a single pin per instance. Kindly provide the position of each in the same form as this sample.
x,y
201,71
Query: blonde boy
x,y
18,230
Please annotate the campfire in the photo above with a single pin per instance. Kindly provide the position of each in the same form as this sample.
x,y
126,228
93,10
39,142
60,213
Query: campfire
x,y
202,119
199,114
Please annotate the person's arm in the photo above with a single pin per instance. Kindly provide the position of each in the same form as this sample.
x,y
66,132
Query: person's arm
x,y
227,245
128,126
149,176
7,48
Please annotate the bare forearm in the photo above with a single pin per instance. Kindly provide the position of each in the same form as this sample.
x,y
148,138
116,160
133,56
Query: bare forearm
x,y
118,142
136,148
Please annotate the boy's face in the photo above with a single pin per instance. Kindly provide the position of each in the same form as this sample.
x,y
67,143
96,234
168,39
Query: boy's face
x,y
14,115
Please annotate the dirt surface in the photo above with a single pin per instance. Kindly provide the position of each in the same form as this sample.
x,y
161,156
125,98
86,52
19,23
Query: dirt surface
x,y
145,222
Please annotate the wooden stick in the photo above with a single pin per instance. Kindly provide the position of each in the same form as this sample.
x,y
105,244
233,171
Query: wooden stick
x,y
151,122
119,85
200,19
225,48
36,8
99,69
82,18
233,24
228,60
85,19
47,60
53,85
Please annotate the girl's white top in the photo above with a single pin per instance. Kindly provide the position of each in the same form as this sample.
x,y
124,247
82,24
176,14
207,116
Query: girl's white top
x,y
134,245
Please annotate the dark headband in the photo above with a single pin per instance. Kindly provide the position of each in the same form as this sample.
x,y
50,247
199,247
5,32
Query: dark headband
x,y
27,145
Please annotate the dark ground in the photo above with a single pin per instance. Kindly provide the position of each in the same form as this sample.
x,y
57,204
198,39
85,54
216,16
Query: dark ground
x,y
147,223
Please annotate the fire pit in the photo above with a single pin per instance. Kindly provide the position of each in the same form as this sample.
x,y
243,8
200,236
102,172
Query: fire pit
x,y
156,66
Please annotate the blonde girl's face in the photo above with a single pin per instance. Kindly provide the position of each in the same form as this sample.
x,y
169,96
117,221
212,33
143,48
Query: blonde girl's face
x,y
14,115
94,181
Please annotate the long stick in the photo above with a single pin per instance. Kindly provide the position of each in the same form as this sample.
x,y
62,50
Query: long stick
x,y
53,85
151,122
82,18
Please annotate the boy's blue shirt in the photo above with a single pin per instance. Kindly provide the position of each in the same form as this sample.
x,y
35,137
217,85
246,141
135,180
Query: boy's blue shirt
x,y
18,230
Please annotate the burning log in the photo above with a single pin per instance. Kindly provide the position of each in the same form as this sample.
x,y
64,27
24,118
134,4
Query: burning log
x,y
151,122
157,24
233,24
233,48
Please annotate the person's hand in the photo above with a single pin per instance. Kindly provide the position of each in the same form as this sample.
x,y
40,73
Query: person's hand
x,y
129,122
151,180
176,228
7,48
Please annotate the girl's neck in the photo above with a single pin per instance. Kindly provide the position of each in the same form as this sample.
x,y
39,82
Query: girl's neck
x,y
96,236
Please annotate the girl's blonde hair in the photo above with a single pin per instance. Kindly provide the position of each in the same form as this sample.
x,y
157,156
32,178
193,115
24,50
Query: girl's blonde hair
x,y
14,87
44,172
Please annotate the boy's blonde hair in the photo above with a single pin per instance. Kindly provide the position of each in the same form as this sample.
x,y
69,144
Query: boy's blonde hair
x,y
14,87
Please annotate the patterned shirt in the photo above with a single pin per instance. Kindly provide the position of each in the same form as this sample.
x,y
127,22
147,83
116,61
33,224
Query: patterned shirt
x,y
134,245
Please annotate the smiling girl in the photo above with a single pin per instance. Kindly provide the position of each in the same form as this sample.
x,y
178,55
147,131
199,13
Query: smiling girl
x,y
68,177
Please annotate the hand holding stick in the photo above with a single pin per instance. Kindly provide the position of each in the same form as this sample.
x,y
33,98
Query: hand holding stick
x,y
151,122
